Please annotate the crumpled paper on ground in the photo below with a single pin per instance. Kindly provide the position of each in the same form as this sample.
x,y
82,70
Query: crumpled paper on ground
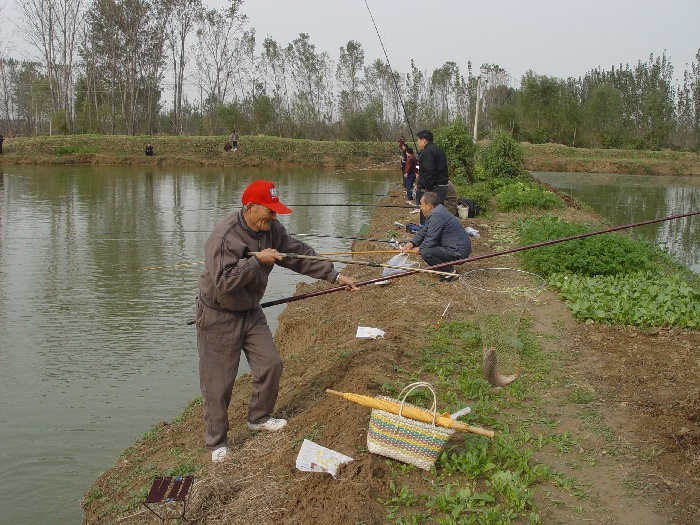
x,y
315,458
366,332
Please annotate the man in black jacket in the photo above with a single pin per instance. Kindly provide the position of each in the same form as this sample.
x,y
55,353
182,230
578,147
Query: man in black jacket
x,y
432,174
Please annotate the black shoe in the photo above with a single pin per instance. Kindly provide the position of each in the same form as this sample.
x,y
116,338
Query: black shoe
x,y
449,278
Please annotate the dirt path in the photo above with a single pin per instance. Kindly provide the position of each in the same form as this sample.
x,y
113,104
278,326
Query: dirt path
x,y
625,401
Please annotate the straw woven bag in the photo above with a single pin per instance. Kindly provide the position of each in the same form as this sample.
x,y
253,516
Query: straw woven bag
x,y
413,442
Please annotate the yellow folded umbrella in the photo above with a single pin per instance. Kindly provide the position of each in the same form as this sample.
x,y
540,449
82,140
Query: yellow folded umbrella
x,y
411,412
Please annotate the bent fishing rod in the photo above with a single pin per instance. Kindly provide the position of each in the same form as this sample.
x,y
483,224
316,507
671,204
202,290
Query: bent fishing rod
x,y
478,257
341,193
393,77
320,235
352,204
252,253
356,261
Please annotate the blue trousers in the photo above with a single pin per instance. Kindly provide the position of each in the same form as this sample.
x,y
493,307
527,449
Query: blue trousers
x,y
408,184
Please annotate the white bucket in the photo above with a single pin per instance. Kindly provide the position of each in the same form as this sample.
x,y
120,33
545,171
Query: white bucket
x,y
463,212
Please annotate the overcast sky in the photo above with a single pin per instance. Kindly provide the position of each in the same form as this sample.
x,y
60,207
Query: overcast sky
x,y
557,38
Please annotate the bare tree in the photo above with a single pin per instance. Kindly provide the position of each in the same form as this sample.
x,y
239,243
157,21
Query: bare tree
x,y
153,61
181,23
52,27
380,83
350,65
310,71
274,66
215,51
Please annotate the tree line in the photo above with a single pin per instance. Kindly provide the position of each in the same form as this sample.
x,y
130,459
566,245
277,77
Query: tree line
x,y
103,66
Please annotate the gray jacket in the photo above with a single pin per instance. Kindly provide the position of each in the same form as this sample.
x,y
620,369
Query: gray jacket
x,y
444,229
233,281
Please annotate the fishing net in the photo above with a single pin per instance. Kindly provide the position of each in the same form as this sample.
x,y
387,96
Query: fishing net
x,y
499,296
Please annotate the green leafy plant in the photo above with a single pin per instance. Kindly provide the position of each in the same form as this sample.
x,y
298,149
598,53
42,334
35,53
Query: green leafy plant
x,y
522,195
641,299
458,145
502,157
604,254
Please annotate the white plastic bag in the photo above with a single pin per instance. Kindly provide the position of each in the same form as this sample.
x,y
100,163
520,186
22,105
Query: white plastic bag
x,y
401,259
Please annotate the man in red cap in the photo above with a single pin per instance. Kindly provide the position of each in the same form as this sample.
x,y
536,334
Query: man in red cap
x,y
229,317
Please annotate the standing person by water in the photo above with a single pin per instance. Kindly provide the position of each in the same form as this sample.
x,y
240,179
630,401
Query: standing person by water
x,y
229,316
2,139
433,168
234,140
403,155
410,172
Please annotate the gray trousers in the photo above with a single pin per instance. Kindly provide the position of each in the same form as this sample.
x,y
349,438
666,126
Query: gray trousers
x,y
220,338
440,191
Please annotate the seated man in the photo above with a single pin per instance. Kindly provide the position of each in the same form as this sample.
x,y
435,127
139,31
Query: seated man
x,y
442,239
149,150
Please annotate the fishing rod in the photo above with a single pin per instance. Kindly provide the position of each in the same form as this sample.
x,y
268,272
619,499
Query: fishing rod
x,y
324,254
356,261
320,235
393,77
479,257
340,193
360,253
349,205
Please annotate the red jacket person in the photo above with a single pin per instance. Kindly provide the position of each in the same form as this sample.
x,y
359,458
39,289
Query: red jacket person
x,y
229,317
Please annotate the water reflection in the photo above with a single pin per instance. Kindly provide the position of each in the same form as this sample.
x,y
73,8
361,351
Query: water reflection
x,y
627,199
95,350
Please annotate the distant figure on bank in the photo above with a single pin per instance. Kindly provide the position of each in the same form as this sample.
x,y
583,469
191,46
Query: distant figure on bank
x,y
2,139
227,146
409,175
433,169
234,140
442,239
149,150
402,143
402,159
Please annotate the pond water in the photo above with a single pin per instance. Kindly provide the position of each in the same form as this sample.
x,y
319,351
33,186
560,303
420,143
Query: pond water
x,y
627,199
93,349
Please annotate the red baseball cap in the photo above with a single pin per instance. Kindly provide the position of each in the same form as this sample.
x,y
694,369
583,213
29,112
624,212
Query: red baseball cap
x,y
264,192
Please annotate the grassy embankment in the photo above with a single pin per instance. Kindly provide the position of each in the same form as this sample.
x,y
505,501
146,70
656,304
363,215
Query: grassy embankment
x,y
262,151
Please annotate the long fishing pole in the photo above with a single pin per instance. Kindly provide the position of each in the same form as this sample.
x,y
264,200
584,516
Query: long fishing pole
x,y
356,261
323,254
340,193
479,257
393,77
321,235
350,205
